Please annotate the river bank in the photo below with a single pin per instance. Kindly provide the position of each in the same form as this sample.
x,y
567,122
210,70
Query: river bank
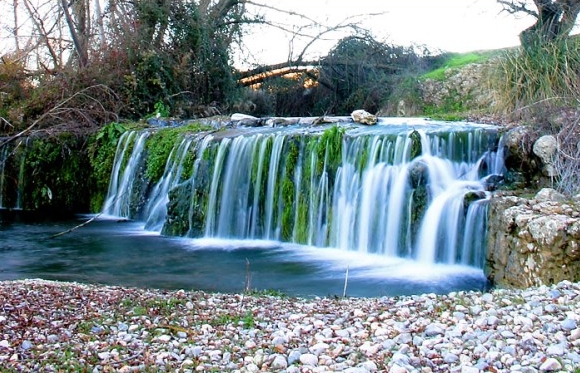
x,y
50,326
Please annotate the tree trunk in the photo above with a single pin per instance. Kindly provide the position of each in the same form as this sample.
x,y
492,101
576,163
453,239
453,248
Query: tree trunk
x,y
80,47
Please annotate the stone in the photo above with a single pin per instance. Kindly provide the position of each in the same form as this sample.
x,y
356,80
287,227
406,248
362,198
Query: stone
x,y
363,117
239,117
433,330
569,324
550,365
309,359
279,362
545,148
549,195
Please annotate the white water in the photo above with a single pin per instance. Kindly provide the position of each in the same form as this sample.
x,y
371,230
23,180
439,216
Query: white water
x,y
367,207
118,200
12,184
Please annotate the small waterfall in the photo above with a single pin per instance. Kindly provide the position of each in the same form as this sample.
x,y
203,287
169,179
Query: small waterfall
x,y
3,159
405,191
156,209
118,201
12,178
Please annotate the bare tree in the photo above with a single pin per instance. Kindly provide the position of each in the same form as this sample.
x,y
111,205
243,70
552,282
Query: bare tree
x,y
554,18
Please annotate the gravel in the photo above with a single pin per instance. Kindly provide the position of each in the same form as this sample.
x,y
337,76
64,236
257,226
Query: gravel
x,y
48,326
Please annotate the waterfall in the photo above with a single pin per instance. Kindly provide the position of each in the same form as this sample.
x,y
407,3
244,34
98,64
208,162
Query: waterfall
x,y
395,190
3,160
118,201
156,209
12,167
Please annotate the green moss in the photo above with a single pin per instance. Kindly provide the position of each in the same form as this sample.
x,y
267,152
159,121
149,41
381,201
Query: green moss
x,y
416,147
160,144
102,147
56,172
289,189
330,148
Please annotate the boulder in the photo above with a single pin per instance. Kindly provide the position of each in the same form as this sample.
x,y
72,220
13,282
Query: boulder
x,y
545,148
364,117
533,242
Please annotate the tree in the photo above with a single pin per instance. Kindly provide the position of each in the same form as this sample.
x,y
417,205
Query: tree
x,y
554,18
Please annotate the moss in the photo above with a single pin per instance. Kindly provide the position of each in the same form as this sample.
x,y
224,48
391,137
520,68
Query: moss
x,y
416,146
102,147
330,149
289,189
57,170
160,144
453,107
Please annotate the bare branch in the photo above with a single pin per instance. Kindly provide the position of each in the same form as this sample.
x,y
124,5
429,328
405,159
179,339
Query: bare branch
x,y
514,7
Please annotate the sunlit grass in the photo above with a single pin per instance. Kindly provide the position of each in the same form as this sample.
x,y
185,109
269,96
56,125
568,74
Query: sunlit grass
x,y
455,61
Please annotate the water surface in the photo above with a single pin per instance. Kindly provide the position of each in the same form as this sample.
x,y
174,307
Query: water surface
x,y
111,252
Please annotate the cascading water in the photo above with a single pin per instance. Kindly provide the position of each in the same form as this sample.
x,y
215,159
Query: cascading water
x,y
3,161
412,191
12,166
118,202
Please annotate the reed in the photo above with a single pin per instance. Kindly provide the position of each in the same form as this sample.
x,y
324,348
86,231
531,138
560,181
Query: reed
x,y
530,79
540,84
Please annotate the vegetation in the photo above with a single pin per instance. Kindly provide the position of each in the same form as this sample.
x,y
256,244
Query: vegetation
x,y
539,84
450,61
101,156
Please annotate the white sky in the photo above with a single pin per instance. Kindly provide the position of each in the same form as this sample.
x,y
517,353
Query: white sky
x,y
447,25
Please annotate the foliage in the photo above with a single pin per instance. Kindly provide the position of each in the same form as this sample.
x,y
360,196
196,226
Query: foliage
x,y
359,73
55,170
541,85
143,54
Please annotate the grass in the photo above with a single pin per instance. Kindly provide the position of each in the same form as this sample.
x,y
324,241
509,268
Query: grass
x,y
538,76
455,61
537,83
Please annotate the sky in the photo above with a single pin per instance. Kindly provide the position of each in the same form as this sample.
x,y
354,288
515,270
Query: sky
x,y
445,25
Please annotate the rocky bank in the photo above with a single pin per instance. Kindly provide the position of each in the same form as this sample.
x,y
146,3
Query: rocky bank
x,y
67,327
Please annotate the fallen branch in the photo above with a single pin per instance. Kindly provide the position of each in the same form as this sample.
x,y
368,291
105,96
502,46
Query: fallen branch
x,y
76,227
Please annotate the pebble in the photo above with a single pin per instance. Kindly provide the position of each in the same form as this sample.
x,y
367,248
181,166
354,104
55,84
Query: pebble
x,y
527,331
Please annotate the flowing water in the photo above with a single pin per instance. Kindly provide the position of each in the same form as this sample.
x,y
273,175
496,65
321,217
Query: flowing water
x,y
398,208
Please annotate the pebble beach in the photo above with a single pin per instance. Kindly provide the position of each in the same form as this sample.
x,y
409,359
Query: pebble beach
x,y
48,326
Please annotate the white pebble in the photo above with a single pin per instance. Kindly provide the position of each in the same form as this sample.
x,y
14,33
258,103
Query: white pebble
x,y
309,359
550,365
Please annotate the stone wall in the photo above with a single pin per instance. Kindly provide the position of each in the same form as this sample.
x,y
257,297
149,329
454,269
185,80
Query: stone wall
x,y
465,85
533,241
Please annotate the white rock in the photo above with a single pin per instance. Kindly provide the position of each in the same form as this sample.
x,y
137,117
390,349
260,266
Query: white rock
x,y
309,359
556,349
319,348
164,338
398,369
468,369
363,117
279,362
369,366
239,116
545,148
550,365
